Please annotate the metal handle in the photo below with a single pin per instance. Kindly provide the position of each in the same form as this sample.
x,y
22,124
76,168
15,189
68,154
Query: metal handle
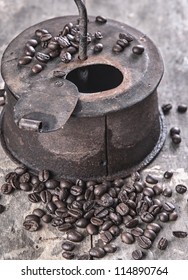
x,y
83,29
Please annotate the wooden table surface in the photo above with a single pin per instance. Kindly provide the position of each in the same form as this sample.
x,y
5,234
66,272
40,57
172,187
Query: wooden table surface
x,y
166,23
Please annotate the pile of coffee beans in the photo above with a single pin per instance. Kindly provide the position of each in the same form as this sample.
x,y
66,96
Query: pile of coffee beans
x,y
43,46
131,208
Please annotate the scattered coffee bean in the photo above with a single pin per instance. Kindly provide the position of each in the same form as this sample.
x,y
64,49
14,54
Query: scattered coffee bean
x,y
166,108
31,225
39,212
110,248
44,175
68,255
6,188
37,68
29,51
137,231
51,184
147,217
126,36
144,242
154,226
92,229
25,60
138,50
84,257
32,217
122,209
168,206
151,180
168,174
150,234
40,32
163,243
163,217
97,252
127,238
42,57
100,19
117,48
68,246
25,178
123,43
180,234
96,221
167,192
157,189
75,236
106,236
51,207
182,108
174,130
45,37
98,35
137,254
148,192
34,197
132,223
2,208
98,48
25,187
20,170
173,216
46,196
66,58
176,139
65,227
32,42
181,189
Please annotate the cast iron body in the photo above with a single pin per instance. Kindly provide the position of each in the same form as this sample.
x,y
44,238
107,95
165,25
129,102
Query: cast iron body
x,y
110,132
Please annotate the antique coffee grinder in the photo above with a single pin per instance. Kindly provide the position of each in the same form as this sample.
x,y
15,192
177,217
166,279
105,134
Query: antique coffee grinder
x,y
81,98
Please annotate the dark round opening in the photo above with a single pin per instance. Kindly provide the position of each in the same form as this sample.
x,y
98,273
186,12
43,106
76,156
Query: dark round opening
x,y
95,78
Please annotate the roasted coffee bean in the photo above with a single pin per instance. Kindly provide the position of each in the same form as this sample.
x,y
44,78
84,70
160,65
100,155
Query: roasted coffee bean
x,y
90,183
106,236
2,208
168,174
173,216
37,188
123,43
82,223
114,230
64,183
176,139
138,50
92,229
157,189
45,37
96,221
126,36
127,238
56,222
167,192
98,35
42,57
32,217
149,192
110,248
51,207
142,207
70,220
88,205
180,234
20,170
9,176
32,42
168,206
70,37
61,212
76,190
126,219
154,226
106,200
34,197
55,198
99,190
25,60
40,32
53,45
51,184
151,180
6,188
75,236
98,48
137,254
70,199
66,58
29,51
166,108
46,196
54,54
150,234
163,243
63,194
65,227
174,130
163,217
181,189
97,252
132,213
117,48
147,217
68,246
88,215
31,225
68,255
112,192
122,209
89,194
144,242
84,257
37,68
47,218
25,178
131,204
118,183
44,175
129,189
123,197
106,225
132,223
39,212
100,19
138,187
26,187
75,44
182,108
154,210
116,218
137,231
63,41
77,213
157,202
78,204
